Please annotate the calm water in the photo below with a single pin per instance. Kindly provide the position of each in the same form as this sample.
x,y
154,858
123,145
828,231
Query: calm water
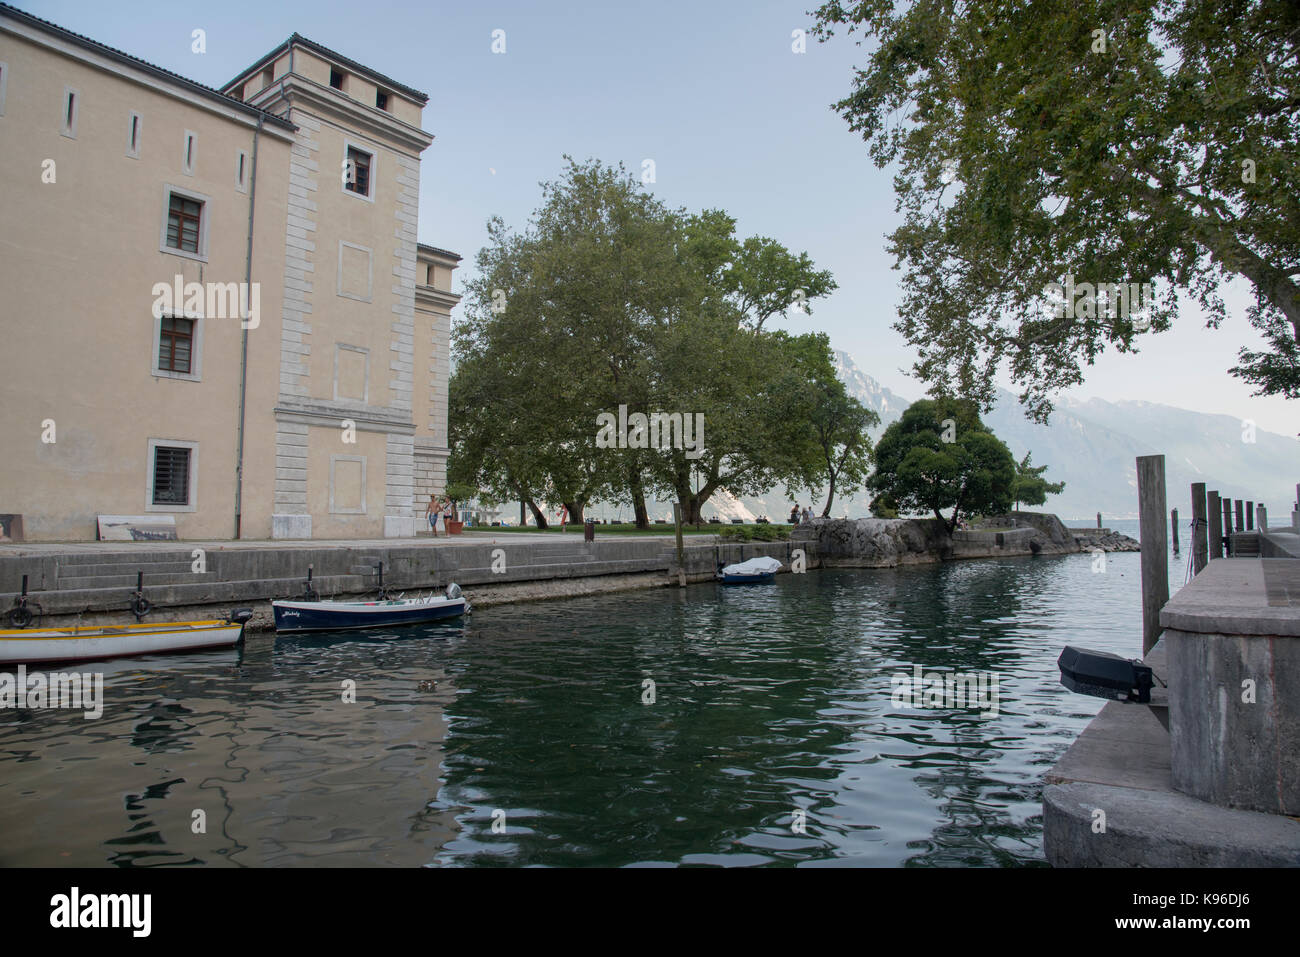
x,y
768,700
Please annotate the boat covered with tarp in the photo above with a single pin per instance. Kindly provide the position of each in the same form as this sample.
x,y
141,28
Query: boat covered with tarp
x,y
756,571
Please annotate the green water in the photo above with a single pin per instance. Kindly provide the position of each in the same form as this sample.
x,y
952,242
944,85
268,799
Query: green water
x,y
523,737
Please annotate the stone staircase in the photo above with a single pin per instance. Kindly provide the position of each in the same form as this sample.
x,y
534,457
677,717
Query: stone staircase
x,y
1245,545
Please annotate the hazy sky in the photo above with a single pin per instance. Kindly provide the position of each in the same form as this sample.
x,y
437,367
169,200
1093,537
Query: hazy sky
x,y
710,91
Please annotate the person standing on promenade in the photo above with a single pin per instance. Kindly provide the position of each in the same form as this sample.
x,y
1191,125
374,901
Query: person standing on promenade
x,y
431,513
794,514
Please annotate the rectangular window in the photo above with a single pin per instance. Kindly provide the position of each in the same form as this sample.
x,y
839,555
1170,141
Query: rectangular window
x,y
268,76
171,475
187,158
381,99
175,344
358,178
133,135
336,79
184,217
70,104
241,171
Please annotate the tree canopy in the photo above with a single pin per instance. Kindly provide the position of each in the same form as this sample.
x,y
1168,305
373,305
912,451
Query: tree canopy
x,y
939,455
1029,486
1112,141
612,307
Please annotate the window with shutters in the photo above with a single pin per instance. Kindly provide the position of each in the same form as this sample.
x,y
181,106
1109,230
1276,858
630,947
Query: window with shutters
x,y
359,168
184,217
185,223
175,346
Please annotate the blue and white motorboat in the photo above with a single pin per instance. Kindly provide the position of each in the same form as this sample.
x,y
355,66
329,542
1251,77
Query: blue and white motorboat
x,y
310,613
756,571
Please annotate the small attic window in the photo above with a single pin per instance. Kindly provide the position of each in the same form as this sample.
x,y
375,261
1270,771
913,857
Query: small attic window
x,y
336,79
268,76
381,99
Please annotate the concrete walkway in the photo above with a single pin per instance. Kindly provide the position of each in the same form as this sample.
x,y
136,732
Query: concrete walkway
x,y
1111,800
468,537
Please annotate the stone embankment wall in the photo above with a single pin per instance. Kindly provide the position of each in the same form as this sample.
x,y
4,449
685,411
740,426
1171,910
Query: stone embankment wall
x,y
885,543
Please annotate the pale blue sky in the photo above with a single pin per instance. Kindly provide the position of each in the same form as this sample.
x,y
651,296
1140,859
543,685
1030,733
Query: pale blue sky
x,y
711,91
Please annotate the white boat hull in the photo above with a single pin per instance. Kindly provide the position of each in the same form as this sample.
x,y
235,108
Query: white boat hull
x,y
27,645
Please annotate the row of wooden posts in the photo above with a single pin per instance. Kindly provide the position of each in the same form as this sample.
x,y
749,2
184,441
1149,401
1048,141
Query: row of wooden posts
x,y
1214,521
1212,536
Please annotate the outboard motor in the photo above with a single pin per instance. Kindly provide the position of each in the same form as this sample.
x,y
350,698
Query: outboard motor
x,y
240,617
453,591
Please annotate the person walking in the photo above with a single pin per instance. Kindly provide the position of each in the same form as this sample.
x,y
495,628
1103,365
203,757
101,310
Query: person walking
x,y
806,515
794,514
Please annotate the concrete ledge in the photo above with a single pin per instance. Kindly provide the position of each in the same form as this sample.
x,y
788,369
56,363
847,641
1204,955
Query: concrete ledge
x,y
1237,596
1160,829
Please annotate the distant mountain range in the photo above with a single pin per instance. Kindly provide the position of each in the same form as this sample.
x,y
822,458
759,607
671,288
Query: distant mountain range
x,y
1091,446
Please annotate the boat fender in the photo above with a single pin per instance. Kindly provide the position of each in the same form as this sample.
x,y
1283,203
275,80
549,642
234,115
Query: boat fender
x,y
140,606
20,617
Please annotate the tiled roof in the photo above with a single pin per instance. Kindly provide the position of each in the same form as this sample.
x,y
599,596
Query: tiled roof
x,y
425,247
121,57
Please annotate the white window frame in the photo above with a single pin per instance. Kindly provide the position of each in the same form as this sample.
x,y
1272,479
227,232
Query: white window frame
x,y
192,492
348,511
365,388
205,220
370,278
373,153
189,147
4,83
241,158
65,128
133,148
196,346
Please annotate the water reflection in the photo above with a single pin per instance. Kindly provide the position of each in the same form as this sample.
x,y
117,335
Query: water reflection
x,y
523,736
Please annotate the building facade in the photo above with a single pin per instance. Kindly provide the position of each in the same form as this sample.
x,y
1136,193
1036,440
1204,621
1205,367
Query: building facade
x,y
216,309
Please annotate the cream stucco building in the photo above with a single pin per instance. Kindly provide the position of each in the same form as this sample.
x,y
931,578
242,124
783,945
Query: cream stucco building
x,y
215,306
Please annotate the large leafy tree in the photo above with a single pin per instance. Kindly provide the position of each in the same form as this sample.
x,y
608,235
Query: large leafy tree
x,y
1109,140
611,299
835,424
1029,486
939,455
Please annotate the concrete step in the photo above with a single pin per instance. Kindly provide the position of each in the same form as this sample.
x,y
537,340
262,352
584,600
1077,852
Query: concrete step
x,y
81,582
117,569
1245,545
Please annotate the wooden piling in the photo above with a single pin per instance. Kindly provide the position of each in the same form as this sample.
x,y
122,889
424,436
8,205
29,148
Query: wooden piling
x,y
1200,540
681,562
1215,511
1250,516
1227,528
1173,525
1155,545
1241,522
1099,521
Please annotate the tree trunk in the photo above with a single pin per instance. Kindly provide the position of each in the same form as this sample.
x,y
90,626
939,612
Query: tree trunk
x,y
642,517
830,497
575,511
537,514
